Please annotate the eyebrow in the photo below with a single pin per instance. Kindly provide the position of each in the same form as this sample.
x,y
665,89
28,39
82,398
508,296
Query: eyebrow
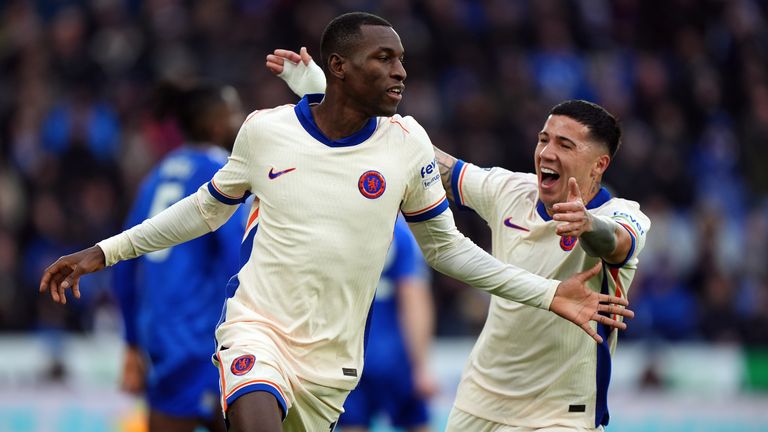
x,y
560,137
389,50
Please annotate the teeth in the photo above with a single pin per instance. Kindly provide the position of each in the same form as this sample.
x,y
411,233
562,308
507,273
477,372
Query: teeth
x,y
547,171
396,90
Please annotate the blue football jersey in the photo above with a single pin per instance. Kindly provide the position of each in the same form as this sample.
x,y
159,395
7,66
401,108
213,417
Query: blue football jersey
x,y
386,350
171,299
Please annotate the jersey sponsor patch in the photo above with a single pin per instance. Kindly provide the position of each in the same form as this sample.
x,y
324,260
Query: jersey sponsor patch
x,y
372,184
567,243
242,364
430,174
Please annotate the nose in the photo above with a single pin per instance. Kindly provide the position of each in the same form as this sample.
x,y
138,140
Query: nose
x,y
398,71
546,151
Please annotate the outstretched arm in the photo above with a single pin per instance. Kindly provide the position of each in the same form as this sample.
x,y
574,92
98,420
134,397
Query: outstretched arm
x,y
177,224
450,253
600,236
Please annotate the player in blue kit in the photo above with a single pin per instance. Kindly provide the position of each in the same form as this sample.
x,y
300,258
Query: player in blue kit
x,y
401,328
171,299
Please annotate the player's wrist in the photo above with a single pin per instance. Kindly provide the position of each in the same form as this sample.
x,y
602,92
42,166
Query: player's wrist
x,y
600,240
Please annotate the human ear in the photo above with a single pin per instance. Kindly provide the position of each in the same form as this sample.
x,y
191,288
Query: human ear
x,y
337,65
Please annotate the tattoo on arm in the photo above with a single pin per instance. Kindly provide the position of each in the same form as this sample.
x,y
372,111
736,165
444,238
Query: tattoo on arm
x,y
445,162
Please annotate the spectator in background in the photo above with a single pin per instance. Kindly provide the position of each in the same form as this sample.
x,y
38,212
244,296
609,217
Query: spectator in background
x,y
168,352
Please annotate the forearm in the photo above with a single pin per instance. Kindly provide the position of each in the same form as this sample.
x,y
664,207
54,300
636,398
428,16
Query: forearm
x,y
192,217
454,255
417,317
607,240
445,162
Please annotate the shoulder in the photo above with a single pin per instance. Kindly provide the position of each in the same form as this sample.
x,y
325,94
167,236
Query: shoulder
x,y
518,180
268,116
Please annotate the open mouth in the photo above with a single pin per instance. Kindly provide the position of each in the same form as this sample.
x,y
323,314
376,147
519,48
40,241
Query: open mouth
x,y
396,92
549,177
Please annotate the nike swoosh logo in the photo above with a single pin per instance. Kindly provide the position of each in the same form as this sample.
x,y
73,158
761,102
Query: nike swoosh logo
x,y
273,175
508,222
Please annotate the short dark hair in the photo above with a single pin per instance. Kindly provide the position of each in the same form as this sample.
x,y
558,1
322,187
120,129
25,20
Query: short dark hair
x,y
188,105
603,126
344,31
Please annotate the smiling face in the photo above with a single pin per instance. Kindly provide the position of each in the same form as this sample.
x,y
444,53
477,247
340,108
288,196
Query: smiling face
x,y
374,73
566,149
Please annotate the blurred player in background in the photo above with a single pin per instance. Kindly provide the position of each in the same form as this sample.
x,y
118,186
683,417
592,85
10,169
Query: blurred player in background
x,y
171,299
331,175
529,370
396,356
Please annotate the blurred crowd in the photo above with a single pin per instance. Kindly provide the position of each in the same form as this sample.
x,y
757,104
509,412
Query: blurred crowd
x,y
688,79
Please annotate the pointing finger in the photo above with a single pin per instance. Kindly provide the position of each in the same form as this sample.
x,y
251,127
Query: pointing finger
x,y
574,193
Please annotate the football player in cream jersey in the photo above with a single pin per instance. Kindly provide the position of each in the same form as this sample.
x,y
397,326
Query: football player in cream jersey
x,y
530,371
330,175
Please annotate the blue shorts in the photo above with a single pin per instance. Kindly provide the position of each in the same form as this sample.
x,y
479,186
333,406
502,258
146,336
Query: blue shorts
x,y
183,387
394,397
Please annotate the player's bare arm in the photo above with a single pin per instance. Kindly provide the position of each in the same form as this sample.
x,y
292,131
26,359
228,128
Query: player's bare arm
x,y
600,236
66,271
445,162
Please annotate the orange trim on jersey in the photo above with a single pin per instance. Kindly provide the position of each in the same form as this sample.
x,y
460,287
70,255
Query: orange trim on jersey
x,y
629,228
461,181
392,120
247,383
223,384
253,217
213,183
426,209
615,274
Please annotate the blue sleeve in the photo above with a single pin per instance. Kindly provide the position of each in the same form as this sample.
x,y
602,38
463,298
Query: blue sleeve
x,y
124,283
230,236
408,260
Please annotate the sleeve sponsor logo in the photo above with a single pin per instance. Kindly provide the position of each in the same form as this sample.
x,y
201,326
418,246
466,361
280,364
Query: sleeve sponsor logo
x,y
430,174
629,218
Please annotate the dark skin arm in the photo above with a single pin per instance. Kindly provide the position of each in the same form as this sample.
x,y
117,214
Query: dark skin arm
x,y
66,271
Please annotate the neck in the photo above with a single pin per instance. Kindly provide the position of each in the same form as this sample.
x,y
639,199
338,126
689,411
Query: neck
x,y
337,117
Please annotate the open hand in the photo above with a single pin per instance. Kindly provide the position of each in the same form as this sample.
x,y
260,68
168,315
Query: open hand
x,y
134,371
276,61
66,271
299,71
580,305
573,214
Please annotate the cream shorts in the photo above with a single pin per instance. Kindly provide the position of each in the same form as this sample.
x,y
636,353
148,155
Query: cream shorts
x,y
253,367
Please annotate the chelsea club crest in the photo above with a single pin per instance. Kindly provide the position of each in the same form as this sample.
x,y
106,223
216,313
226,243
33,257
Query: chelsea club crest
x,y
371,184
